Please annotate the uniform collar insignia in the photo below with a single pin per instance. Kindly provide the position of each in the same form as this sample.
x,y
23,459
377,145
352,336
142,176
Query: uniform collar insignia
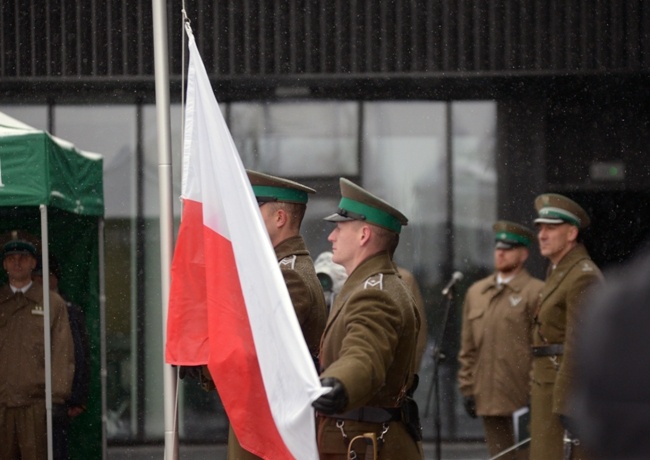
x,y
289,261
586,267
376,281
514,300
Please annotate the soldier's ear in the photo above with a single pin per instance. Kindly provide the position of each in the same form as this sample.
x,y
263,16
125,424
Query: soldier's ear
x,y
281,217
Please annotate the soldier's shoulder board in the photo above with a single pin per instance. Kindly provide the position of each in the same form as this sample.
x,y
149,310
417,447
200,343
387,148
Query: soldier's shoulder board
x,y
288,262
374,282
587,266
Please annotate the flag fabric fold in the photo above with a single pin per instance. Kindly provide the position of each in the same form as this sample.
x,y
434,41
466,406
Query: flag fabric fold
x,y
229,306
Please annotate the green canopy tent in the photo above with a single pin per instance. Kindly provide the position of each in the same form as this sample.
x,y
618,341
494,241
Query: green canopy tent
x,y
54,192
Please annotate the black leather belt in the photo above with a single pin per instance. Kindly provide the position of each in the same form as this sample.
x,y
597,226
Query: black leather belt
x,y
548,350
372,414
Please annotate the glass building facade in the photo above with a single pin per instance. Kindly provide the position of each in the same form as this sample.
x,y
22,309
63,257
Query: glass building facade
x,y
433,160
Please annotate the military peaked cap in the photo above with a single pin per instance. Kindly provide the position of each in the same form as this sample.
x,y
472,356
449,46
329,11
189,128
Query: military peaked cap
x,y
18,247
557,209
271,188
359,204
508,235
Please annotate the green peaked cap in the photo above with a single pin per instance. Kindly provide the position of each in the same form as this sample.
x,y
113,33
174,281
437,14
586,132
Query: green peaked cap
x,y
556,209
510,234
272,188
359,204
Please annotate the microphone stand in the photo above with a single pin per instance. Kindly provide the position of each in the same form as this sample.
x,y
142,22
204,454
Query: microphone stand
x,y
438,357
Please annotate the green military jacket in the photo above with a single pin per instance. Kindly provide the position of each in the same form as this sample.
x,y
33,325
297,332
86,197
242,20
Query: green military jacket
x,y
369,344
558,318
22,349
304,289
495,354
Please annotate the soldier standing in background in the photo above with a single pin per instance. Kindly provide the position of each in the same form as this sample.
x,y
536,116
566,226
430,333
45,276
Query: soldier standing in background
x,y
495,357
570,274
23,417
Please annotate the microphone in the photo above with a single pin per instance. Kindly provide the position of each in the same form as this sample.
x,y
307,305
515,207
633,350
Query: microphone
x,y
456,277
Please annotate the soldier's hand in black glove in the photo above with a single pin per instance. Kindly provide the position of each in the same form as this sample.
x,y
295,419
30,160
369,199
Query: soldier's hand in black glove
x,y
470,406
193,372
333,401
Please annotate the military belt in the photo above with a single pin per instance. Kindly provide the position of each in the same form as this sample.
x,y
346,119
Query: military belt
x,y
372,414
548,350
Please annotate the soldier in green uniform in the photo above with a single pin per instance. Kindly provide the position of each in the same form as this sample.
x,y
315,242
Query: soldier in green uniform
x,y
23,418
570,274
495,357
369,343
282,204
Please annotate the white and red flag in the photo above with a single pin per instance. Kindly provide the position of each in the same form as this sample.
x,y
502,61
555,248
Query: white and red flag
x,y
229,306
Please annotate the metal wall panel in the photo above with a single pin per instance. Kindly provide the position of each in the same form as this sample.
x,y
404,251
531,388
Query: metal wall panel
x,y
100,39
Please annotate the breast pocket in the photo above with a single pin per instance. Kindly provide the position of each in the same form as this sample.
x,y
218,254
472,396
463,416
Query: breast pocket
x,y
476,319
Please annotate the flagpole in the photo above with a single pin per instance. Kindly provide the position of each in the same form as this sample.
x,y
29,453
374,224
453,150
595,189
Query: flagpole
x,y
166,211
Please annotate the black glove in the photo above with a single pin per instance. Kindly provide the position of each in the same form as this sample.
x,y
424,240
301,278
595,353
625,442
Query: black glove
x,y
193,372
333,401
470,406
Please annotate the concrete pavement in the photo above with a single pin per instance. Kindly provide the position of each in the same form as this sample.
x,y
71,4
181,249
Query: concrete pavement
x,y
449,451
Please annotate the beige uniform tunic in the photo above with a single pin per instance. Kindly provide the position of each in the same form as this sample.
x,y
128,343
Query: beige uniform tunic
x,y
556,322
495,354
369,345
22,364
309,302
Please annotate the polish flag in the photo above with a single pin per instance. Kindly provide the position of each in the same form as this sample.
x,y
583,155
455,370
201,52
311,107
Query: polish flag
x,y
229,306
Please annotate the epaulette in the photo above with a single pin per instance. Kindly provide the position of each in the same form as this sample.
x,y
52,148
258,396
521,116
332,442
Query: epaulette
x,y
587,266
288,262
375,281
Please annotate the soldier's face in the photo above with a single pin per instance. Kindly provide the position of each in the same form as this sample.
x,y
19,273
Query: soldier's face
x,y
555,240
345,243
19,266
510,260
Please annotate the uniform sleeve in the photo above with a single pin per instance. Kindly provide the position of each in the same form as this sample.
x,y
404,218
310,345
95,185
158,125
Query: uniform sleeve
x,y
467,353
422,335
374,324
299,293
62,351
579,286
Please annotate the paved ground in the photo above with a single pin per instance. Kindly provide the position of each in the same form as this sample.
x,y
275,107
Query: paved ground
x,y
459,451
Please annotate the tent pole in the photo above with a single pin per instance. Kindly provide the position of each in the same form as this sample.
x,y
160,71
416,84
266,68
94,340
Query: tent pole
x,y
161,59
45,255
102,333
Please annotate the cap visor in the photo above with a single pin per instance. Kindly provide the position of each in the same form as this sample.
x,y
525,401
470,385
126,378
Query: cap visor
x,y
548,220
337,218
503,245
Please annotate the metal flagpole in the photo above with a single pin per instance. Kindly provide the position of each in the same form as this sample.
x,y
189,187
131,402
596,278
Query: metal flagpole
x,y
47,337
166,211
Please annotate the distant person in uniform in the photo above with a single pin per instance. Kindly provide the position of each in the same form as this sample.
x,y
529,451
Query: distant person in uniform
x,y
23,417
558,316
283,204
494,357
611,396
75,405
332,276
369,343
